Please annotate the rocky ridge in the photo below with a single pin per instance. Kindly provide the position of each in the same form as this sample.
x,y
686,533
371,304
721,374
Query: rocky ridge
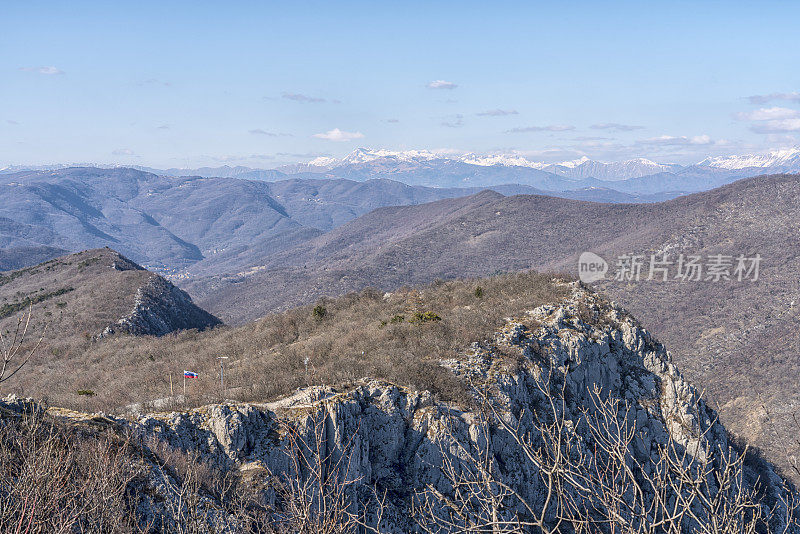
x,y
558,363
161,308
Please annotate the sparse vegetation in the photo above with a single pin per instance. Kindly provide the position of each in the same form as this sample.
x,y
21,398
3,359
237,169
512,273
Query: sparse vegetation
x,y
268,357
13,307
319,312
424,317
58,478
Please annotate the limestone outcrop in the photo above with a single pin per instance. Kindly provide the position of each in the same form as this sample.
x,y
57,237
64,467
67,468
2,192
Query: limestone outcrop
x,y
161,308
549,373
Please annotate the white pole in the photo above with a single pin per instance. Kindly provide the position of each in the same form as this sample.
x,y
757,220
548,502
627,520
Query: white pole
x,y
222,376
171,394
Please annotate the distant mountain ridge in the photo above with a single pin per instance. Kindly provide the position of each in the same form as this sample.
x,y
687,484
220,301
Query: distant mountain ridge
x,y
95,293
784,160
441,168
738,340
189,225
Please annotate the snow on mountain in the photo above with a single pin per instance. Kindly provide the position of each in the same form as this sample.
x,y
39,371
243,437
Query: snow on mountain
x,y
614,171
576,169
785,160
323,161
572,164
507,160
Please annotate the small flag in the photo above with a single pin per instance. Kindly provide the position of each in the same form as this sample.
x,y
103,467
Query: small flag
x,y
189,374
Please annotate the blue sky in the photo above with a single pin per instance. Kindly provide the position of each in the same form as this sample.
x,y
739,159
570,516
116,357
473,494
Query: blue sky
x,y
263,83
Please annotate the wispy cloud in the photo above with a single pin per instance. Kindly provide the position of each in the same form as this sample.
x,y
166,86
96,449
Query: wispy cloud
x,y
392,121
497,113
616,127
230,158
299,97
764,99
772,120
164,127
49,70
155,81
682,140
592,138
13,123
303,155
548,128
123,152
768,114
259,131
777,126
339,136
441,84
455,121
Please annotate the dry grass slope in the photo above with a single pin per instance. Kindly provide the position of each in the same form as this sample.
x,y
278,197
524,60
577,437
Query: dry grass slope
x,y
739,341
335,341
75,296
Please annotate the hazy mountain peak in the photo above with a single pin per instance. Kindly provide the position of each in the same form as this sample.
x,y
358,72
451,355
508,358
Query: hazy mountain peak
x,y
574,163
783,159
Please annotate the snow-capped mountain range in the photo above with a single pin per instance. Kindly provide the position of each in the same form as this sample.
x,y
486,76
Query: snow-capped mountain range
x,y
619,180
785,160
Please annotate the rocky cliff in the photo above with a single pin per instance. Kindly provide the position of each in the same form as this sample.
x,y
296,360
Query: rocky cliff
x,y
579,422
161,308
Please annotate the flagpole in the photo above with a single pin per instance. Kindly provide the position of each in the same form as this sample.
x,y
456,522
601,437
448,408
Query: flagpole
x,y
184,386
221,376
171,393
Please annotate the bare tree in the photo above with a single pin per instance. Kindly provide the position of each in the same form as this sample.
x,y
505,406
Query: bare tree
x,y
590,479
57,479
13,350
319,492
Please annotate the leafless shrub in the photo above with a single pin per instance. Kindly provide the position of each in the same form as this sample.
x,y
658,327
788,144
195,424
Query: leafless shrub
x,y
59,479
320,492
592,481
14,352
269,357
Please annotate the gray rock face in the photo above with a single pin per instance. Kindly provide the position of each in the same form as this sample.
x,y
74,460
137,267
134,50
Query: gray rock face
x,y
395,440
161,308
405,444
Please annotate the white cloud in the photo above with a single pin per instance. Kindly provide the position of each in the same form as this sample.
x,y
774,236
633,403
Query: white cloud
x,y
772,120
303,155
763,99
615,126
298,97
671,140
154,81
259,131
777,126
441,84
455,121
548,128
339,136
48,69
123,152
229,158
497,113
768,114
